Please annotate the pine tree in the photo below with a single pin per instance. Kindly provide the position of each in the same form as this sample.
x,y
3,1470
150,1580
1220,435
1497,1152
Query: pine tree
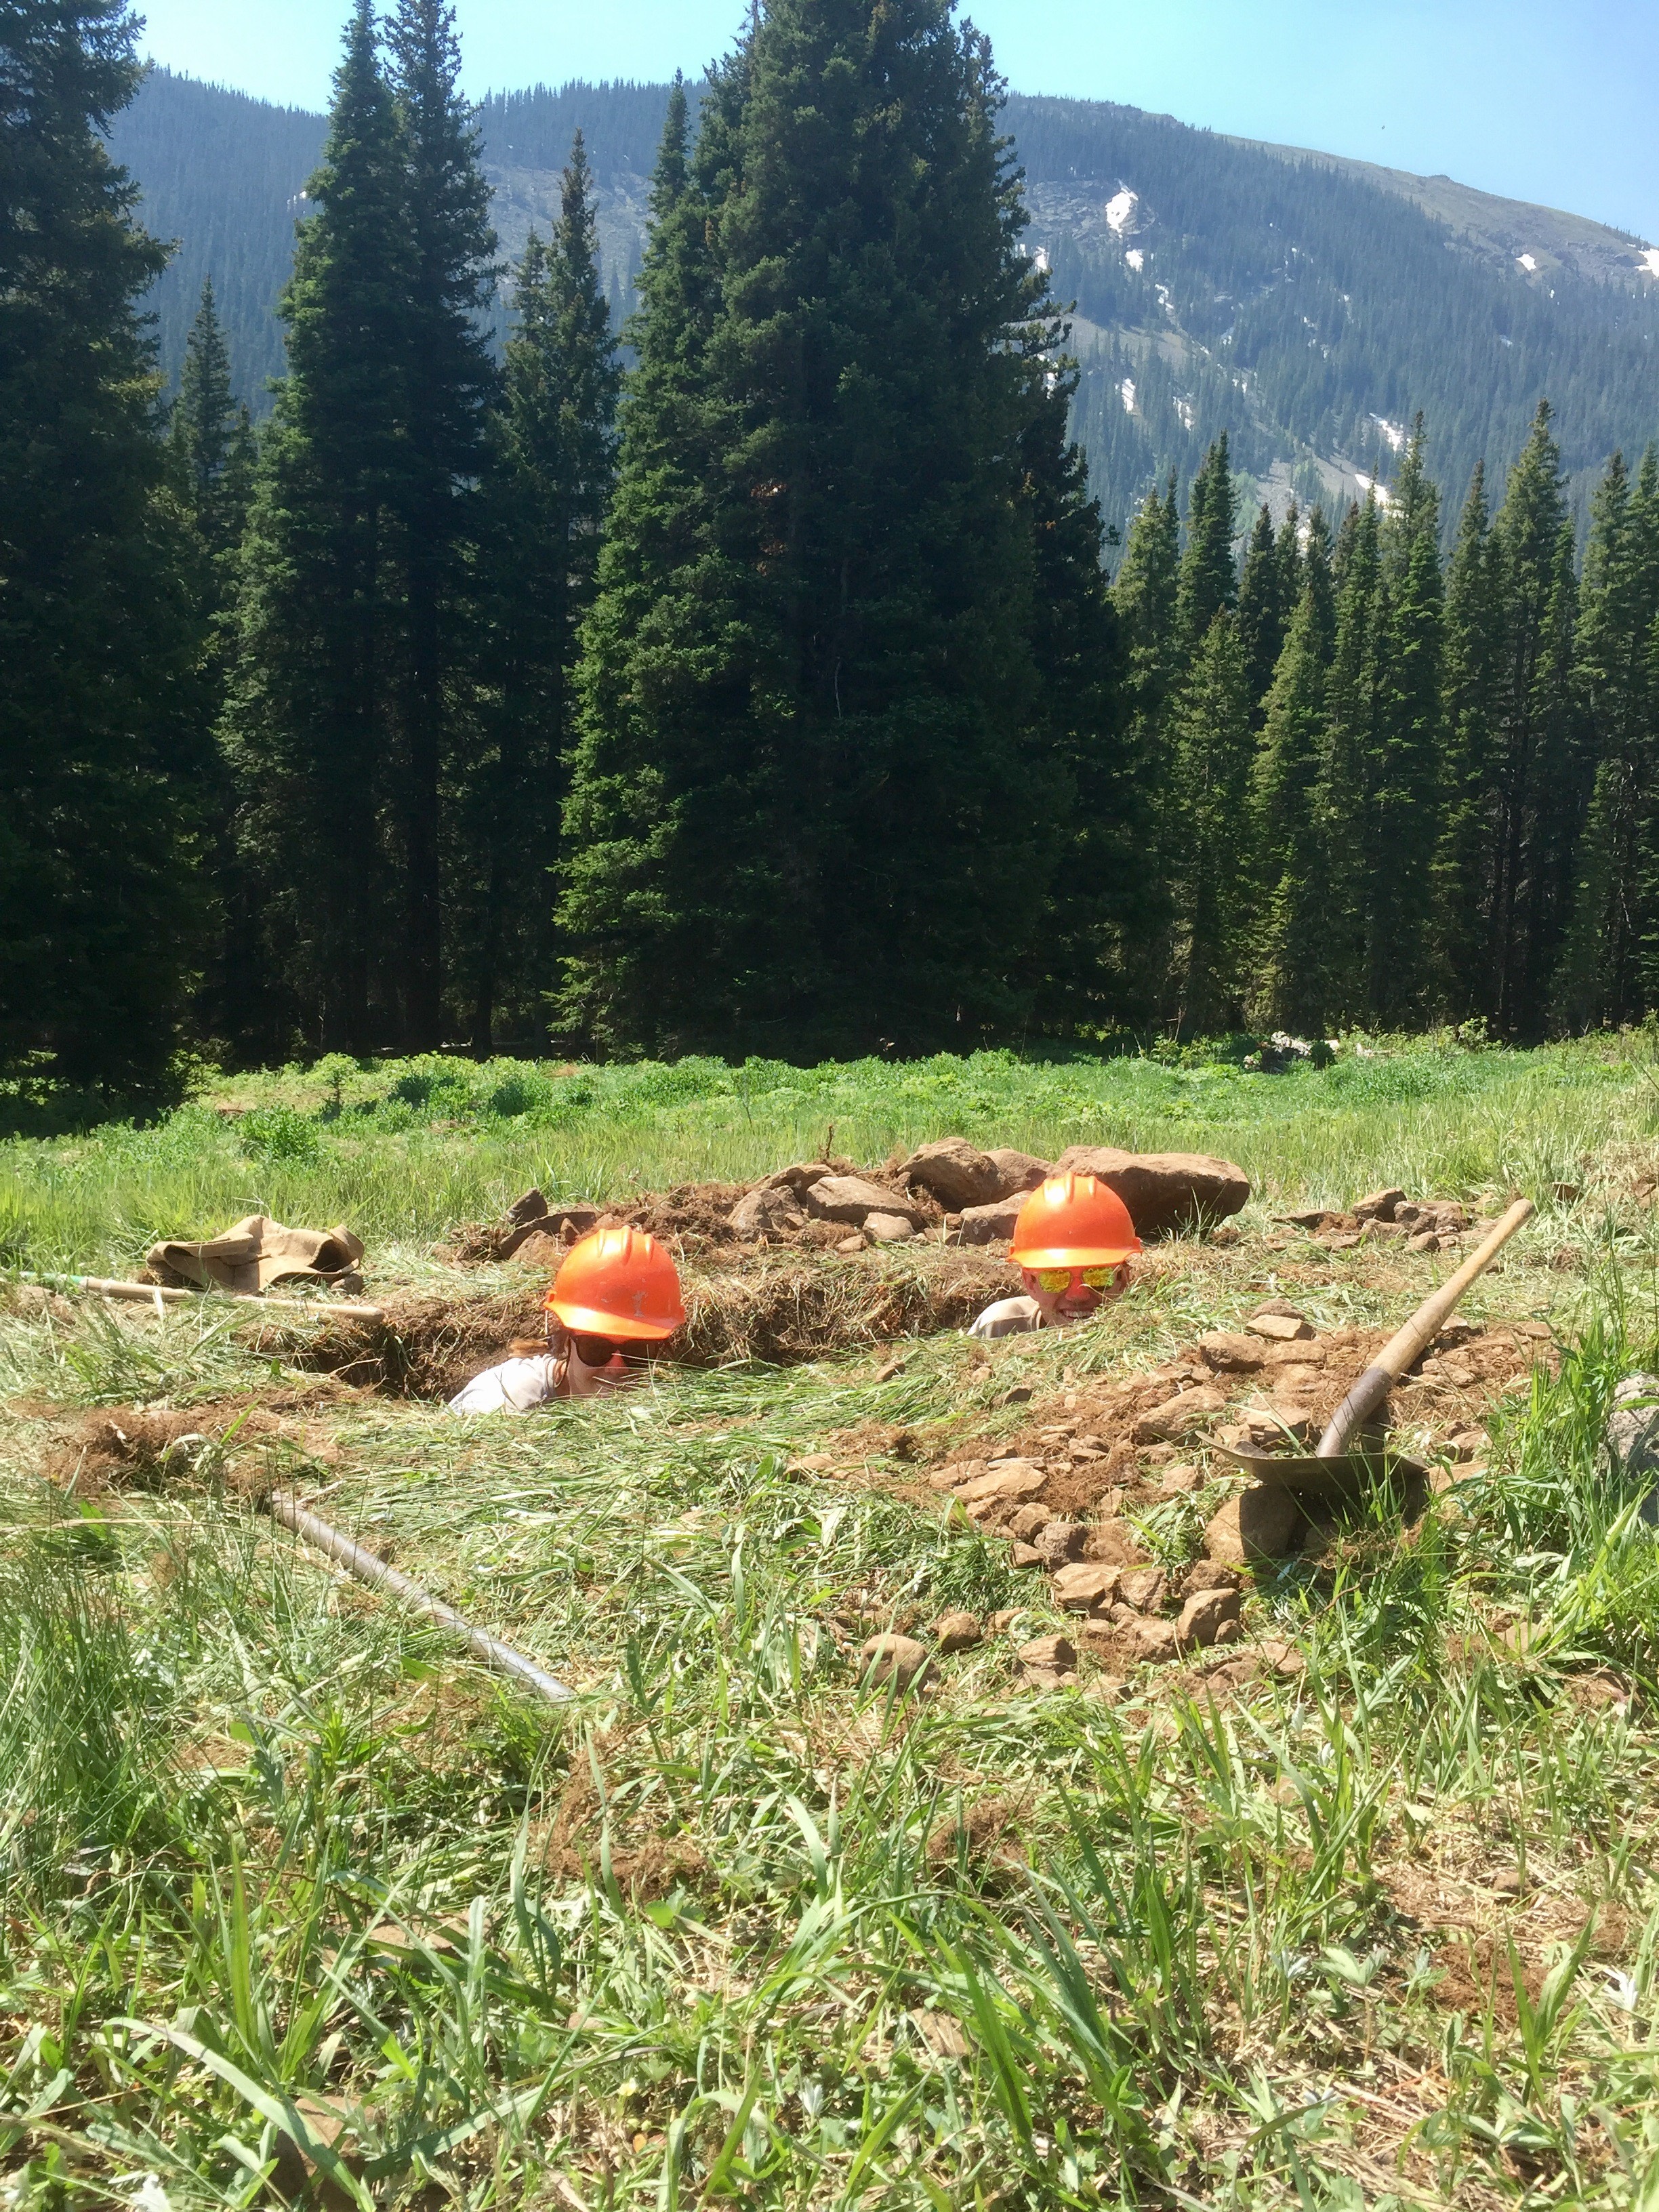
x,y
1346,773
1143,596
446,382
1290,863
211,436
1208,582
317,699
550,481
102,750
813,802
1464,872
1267,592
1602,978
1213,772
1402,809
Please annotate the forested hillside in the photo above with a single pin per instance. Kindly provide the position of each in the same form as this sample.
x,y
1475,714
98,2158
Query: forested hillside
x,y
1307,307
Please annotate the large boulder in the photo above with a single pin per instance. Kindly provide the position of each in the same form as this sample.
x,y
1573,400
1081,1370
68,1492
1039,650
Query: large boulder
x,y
850,1198
1261,1522
1166,1193
955,1172
773,1210
1018,1171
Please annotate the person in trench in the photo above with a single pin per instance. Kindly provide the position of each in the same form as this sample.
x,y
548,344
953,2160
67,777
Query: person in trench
x,y
1073,1243
616,1292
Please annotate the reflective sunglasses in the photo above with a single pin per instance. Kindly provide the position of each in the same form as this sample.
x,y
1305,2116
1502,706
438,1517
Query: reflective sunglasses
x,y
599,1351
1094,1278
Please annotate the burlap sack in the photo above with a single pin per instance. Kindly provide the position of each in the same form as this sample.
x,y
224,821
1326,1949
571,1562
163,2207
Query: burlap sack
x,y
257,1253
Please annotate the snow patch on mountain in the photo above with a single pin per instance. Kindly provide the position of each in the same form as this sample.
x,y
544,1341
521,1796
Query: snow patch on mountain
x,y
1119,208
1391,434
1528,262
1650,259
1126,392
1137,259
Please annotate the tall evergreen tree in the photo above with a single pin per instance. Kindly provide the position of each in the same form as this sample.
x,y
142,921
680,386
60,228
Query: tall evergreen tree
x,y
211,436
1403,794
1208,580
1267,593
1463,868
1289,862
549,480
1212,780
317,703
1346,771
1604,975
101,708
813,805
447,381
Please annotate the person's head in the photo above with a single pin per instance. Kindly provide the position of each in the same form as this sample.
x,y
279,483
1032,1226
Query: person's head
x,y
616,1293
1072,1243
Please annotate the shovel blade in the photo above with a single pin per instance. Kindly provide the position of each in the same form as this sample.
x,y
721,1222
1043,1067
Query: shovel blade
x,y
1347,1478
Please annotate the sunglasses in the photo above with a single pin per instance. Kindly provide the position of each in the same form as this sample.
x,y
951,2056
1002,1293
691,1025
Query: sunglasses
x,y
1094,1278
599,1351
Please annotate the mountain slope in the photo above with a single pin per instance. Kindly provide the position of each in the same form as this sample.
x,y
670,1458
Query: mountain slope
x,y
1307,303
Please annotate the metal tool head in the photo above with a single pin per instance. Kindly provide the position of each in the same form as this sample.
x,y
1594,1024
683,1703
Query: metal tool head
x,y
1347,1479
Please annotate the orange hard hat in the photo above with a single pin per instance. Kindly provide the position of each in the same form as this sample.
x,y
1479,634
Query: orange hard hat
x,y
1073,1221
617,1282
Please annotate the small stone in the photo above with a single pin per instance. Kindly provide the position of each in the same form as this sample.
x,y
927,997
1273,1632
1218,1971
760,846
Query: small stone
x,y
1142,1589
853,1244
1057,1652
1058,1541
1298,1382
1509,1881
1345,1242
956,1471
1082,1588
998,1624
958,1632
1153,1641
1280,1328
1378,1205
1178,1417
1426,1241
1008,1483
1203,1615
1229,1631
888,1228
1114,1544
1047,1678
1260,1523
1212,1574
851,1198
1231,1353
1024,1555
1300,1352
1175,1481
898,1660
1279,1657
800,1177
1025,1520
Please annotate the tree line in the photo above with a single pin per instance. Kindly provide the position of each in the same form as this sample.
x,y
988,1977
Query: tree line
x,y
771,697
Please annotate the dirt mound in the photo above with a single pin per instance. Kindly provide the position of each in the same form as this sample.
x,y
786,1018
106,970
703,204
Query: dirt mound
x,y
115,1447
782,1307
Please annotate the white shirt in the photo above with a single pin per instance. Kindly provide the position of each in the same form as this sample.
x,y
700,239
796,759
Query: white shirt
x,y
516,1386
1009,1317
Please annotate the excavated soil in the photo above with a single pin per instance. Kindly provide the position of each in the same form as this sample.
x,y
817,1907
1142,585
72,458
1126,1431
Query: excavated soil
x,y
781,1307
115,1447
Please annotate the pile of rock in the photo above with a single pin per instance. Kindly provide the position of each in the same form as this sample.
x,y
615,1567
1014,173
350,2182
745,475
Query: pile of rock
x,y
982,1193
1433,1225
539,1234
861,1211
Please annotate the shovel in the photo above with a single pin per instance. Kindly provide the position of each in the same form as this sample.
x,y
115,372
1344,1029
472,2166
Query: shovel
x,y
1340,1467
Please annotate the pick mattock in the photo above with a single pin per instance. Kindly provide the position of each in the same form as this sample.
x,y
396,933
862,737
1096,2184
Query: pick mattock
x,y
1340,1467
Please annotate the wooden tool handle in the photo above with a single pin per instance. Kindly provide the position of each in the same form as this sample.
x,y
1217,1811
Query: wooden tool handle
x,y
1401,1349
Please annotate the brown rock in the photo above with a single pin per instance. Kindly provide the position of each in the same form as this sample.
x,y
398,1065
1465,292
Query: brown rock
x,y
1298,1353
989,1224
1426,1240
533,1206
850,1198
1230,1354
1296,1383
1175,1480
1026,1520
898,1660
955,1172
1142,1589
1009,1482
769,1212
1153,1641
958,1632
888,1228
1212,1574
848,1245
1378,1205
959,1470
1058,1541
1112,1544
1178,1417
538,1247
1086,1588
1260,1523
1279,1328
1018,1171
1166,1193
1279,1657
1315,1217
799,1178
1024,1555
998,1624
1055,1652
1203,1615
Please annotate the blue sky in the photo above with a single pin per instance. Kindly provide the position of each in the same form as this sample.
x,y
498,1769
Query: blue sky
x,y
1543,100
